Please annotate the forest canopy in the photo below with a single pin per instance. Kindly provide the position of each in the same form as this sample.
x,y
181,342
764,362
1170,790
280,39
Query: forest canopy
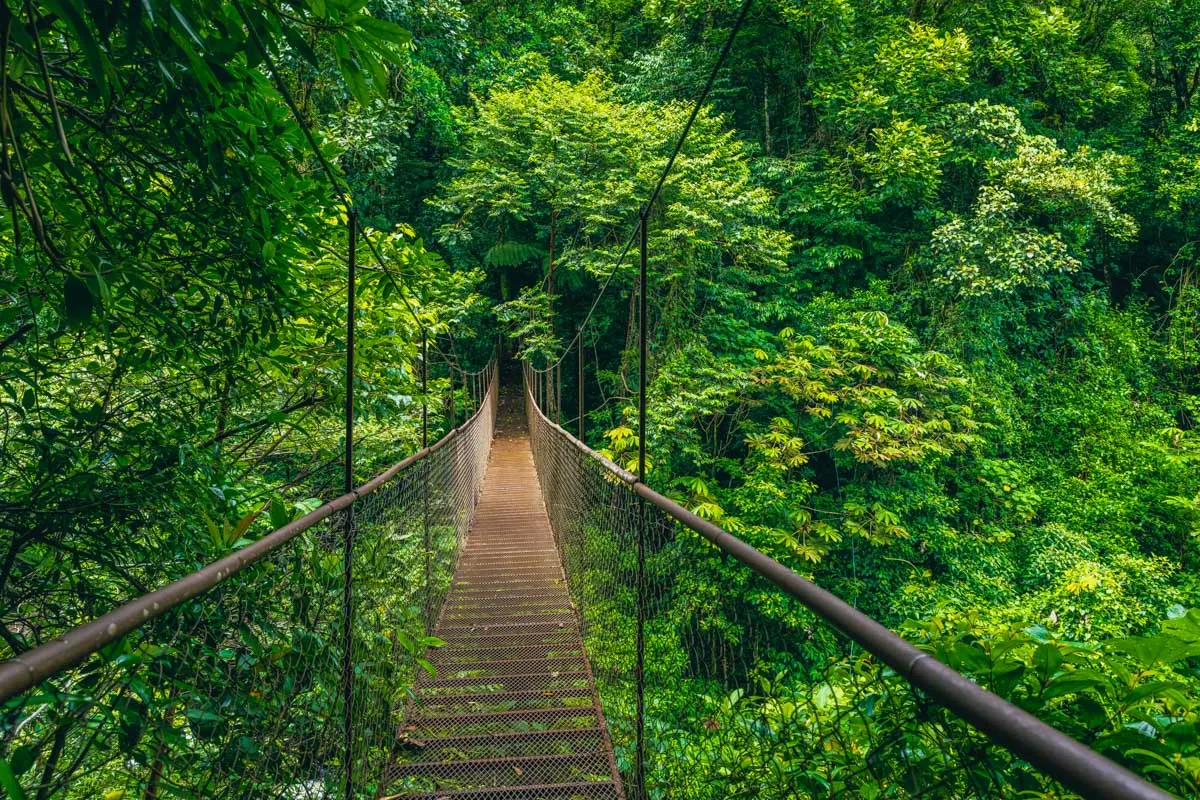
x,y
924,301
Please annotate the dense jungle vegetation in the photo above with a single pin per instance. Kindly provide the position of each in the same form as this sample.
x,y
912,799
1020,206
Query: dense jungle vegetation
x,y
925,307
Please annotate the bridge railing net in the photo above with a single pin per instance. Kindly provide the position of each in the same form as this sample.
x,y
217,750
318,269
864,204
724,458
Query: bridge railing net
x,y
746,692
238,692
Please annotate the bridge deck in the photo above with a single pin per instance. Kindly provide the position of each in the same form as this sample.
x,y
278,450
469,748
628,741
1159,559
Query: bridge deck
x,y
512,712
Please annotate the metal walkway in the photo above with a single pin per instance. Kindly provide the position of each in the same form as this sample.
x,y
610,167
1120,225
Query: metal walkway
x,y
512,712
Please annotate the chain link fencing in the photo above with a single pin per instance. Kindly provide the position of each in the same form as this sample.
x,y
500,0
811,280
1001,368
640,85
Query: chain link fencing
x,y
230,682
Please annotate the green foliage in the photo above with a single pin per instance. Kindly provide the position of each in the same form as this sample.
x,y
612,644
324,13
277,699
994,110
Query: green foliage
x,y
1133,699
510,254
981,406
171,339
991,252
528,321
565,165
923,310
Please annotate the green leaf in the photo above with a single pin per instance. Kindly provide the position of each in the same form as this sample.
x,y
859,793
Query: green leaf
x,y
203,715
1046,659
355,82
387,31
378,72
1185,626
241,527
1151,689
187,26
1089,711
279,514
214,532
969,658
97,63
22,759
511,254
9,781
1151,650
1150,755
1079,680
77,300
301,46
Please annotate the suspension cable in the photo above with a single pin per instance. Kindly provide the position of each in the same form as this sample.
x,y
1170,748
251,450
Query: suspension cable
x,y
662,178
340,190
336,183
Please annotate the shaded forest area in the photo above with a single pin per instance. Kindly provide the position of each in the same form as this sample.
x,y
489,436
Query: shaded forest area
x,y
925,305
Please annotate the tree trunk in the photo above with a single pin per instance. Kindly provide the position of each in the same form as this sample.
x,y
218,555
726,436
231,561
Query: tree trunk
x,y
766,122
550,264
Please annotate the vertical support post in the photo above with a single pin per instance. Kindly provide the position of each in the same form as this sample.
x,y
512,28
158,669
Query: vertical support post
x,y
642,345
424,389
350,288
348,532
451,368
579,381
425,476
558,392
640,668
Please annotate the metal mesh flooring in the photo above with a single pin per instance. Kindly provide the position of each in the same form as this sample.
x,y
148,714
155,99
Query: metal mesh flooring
x,y
512,712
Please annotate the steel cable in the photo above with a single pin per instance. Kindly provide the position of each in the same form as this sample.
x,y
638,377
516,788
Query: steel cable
x,y
662,178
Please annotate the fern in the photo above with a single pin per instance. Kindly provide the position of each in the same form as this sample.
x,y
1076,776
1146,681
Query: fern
x,y
510,254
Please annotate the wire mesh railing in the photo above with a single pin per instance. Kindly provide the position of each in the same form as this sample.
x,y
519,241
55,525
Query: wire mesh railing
x,y
770,687
228,682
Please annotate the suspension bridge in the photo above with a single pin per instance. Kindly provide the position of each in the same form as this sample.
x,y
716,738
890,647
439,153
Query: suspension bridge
x,y
507,615
512,709
546,578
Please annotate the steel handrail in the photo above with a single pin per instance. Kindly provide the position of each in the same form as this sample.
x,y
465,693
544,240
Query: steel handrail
x,y
23,672
1073,763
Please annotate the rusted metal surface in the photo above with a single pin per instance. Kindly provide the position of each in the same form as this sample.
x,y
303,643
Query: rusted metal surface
x,y
512,711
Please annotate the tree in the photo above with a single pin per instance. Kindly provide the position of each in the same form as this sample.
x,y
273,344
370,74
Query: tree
x,y
559,169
